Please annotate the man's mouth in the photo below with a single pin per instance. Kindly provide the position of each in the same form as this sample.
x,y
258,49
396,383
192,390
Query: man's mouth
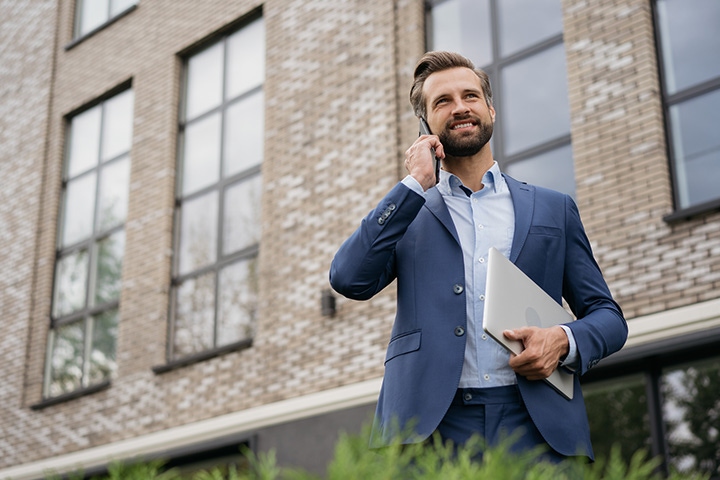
x,y
462,125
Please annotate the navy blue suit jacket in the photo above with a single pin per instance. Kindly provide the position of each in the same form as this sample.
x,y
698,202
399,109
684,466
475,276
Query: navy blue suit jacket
x,y
413,239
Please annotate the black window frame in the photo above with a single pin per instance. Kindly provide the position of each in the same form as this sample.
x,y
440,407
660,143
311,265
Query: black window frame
x,y
669,100
651,360
494,69
220,186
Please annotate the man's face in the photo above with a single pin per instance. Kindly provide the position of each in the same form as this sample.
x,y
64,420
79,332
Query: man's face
x,y
457,111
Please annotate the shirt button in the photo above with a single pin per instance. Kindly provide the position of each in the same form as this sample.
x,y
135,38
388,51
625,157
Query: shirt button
x,y
484,337
486,376
480,226
481,298
481,260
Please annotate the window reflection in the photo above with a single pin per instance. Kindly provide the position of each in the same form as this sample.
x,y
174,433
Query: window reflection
x,y
103,363
201,156
244,132
84,141
113,194
117,127
697,148
535,103
525,22
79,209
109,268
245,66
618,415
238,302
66,368
71,276
204,81
194,315
691,410
689,41
242,215
554,169
198,232
463,26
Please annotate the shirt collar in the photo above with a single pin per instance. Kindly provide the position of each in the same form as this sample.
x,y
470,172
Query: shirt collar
x,y
450,184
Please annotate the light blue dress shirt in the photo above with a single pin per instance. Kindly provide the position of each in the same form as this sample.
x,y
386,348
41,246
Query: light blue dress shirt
x,y
483,219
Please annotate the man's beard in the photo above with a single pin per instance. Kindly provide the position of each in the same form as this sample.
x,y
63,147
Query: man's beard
x,y
466,146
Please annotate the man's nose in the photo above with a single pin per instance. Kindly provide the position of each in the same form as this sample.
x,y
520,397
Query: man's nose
x,y
459,107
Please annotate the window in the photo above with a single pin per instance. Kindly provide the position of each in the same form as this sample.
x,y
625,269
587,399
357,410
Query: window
x,y
93,14
666,402
689,49
91,240
519,44
217,235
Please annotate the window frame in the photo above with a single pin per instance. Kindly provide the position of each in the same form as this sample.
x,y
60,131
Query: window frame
x,y
668,101
221,185
90,244
78,37
494,70
652,360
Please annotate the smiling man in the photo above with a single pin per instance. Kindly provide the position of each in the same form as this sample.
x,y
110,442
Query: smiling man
x,y
442,373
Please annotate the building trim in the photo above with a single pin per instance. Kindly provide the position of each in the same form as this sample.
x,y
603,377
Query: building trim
x,y
245,421
642,330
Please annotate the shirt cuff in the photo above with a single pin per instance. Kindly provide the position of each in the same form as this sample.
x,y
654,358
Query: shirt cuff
x,y
571,360
413,185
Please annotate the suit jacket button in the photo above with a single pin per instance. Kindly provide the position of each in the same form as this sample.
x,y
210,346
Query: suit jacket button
x,y
459,331
458,289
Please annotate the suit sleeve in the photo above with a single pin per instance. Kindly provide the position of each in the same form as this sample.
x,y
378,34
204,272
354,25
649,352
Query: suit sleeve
x,y
601,328
365,263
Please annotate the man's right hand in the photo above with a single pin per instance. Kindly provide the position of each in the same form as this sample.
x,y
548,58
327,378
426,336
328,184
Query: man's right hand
x,y
419,161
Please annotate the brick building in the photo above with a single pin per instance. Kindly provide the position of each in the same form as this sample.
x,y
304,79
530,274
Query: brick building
x,y
176,177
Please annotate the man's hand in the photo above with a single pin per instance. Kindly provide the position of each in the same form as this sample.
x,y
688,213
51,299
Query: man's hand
x,y
544,347
419,162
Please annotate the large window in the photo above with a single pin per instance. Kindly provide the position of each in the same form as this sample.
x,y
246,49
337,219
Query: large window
x,y
217,235
669,408
93,14
91,240
689,47
519,43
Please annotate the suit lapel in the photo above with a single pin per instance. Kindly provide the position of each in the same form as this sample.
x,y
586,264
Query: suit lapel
x,y
523,196
436,205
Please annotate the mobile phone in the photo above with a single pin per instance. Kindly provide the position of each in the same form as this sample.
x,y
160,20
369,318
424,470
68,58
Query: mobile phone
x,y
425,130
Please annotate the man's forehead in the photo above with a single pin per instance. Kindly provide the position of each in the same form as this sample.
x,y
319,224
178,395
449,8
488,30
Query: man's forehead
x,y
450,80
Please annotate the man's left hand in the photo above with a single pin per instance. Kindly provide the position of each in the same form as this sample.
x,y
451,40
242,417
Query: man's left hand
x,y
544,347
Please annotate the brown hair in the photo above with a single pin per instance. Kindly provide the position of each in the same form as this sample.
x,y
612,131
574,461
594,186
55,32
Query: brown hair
x,y
433,62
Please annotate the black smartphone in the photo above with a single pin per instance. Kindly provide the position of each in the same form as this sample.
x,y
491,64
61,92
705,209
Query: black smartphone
x,y
425,130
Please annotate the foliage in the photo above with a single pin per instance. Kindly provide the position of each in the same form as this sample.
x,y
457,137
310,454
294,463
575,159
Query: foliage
x,y
431,461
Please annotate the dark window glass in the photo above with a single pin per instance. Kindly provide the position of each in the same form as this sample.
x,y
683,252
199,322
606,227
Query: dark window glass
x,y
618,415
218,215
691,411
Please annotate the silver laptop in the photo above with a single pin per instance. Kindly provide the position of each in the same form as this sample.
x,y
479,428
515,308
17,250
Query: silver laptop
x,y
512,300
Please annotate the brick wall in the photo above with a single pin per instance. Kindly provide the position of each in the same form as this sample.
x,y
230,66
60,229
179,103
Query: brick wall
x,y
621,163
337,123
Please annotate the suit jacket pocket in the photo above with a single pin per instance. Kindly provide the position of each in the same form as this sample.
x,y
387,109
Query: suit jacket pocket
x,y
403,343
542,230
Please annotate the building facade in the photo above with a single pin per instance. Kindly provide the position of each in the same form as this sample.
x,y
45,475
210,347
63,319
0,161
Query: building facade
x,y
177,176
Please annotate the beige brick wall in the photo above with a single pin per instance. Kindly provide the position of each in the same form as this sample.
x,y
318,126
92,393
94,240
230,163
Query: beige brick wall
x,y
25,79
621,164
337,122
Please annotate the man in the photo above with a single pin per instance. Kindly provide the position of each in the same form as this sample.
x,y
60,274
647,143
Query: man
x,y
441,372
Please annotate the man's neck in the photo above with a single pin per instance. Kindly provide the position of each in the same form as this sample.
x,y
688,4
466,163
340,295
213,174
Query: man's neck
x,y
470,170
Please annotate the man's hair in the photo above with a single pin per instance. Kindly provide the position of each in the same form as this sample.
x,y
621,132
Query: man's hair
x,y
433,62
